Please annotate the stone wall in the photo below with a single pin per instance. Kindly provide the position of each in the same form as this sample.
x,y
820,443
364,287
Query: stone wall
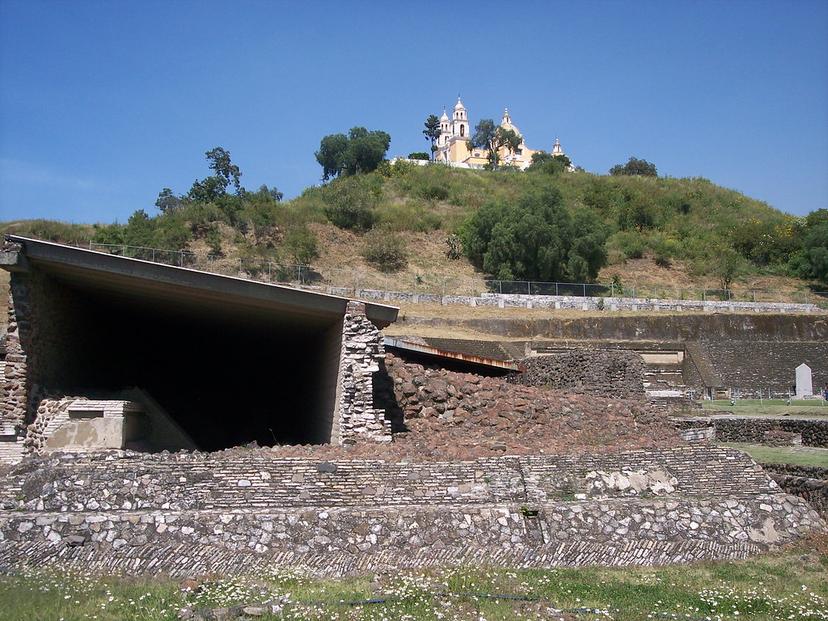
x,y
186,513
254,478
362,352
809,483
574,302
742,429
746,367
607,372
649,327
431,391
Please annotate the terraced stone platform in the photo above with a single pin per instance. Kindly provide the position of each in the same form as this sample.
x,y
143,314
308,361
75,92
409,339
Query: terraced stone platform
x,y
236,511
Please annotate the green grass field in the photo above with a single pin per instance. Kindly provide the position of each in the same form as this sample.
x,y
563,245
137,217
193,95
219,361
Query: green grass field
x,y
788,585
794,455
775,407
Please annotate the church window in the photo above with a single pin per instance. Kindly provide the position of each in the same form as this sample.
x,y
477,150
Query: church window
x,y
462,130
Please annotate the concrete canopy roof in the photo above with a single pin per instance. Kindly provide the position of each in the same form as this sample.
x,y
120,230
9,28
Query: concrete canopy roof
x,y
127,277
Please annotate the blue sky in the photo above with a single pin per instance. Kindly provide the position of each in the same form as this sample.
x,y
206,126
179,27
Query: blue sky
x,y
104,103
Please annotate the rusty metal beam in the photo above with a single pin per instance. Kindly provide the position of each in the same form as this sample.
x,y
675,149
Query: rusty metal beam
x,y
396,343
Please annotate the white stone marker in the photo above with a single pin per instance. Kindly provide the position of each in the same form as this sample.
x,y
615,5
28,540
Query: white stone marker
x,y
804,387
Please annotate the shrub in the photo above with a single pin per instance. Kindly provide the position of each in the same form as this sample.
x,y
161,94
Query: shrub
x,y
454,249
351,206
535,238
419,155
213,238
385,251
662,260
435,192
302,245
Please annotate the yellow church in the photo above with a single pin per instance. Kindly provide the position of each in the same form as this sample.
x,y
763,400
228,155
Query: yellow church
x,y
454,144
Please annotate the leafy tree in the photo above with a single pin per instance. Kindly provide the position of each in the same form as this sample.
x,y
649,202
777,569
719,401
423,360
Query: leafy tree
x,y
167,201
302,245
139,230
635,167
419,155
535,238
811,262
485,137
206,190
360,151
492,137
728,265
331,155
225,170
432,131
271,193
365,150
549,164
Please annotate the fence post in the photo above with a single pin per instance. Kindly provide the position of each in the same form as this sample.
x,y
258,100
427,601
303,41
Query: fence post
x,y
529,287
556,288
181,259
584,286
500,286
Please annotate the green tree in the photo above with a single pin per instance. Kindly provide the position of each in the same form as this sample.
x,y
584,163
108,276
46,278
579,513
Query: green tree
x,y
811,262
167,201
535,238
485,137
139,230
548,163
366,149
223,168
360,151
635,167
728,265
302,245
331,155
432,132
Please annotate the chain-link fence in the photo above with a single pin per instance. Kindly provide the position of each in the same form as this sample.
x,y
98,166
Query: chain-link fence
x,y
354,279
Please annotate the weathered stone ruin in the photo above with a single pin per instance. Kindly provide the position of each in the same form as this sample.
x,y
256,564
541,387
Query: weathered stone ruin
x,y
241,510
157,419
100,327
603,371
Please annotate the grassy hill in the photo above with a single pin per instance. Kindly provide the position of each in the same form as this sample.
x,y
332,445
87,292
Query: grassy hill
x,y
661,234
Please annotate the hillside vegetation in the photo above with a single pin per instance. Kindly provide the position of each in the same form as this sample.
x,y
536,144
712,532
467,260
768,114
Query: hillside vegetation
x,y
405,227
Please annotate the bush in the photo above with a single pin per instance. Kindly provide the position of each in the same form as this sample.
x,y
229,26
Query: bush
x,y
435,192
302,245
213,238
385,251
351,206
454,248
535,238
419,155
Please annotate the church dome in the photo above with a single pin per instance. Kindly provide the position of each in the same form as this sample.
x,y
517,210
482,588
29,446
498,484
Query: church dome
x,y
459,105
445,116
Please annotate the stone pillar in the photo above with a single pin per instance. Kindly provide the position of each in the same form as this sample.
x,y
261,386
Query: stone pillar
x,y
362,350
16,389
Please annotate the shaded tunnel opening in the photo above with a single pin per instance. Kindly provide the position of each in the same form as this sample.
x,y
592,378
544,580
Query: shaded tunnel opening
x,y
226,373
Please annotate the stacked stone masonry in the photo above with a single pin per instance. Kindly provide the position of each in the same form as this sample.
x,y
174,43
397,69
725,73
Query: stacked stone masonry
x,y
808,482
756,430
748,367
604,371
571,302
362,353
139,513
